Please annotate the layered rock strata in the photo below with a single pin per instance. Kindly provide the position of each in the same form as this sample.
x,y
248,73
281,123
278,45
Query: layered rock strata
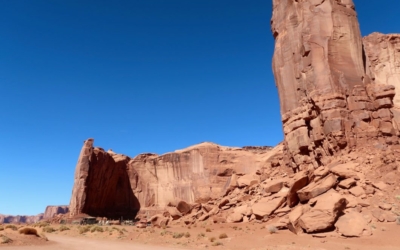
x,y
328,99
52,211
113,185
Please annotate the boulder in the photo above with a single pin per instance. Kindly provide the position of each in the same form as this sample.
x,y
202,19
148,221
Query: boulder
x,y
234,217
174,213
159,220
274,186
247,180
385,206
347,183
294,216
379,185
183,207
266,206
324,214
357,191
344,170
315,189
300,180
351,225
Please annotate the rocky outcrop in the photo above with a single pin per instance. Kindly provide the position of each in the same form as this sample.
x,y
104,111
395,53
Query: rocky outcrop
x,y
51,211
329,99
20,219
113,185
102,185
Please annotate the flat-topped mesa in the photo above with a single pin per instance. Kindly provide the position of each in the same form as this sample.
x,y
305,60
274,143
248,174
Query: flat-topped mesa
x,y
113,185
328,101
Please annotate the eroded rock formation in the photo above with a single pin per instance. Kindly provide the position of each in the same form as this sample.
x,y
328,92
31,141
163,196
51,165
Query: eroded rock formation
x,y
330,101
114,185
51,211
20,218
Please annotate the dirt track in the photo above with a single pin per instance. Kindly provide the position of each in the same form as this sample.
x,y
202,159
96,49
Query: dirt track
x,y
75,243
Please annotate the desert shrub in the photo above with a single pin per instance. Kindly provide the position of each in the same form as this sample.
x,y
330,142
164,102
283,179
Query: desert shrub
x,y
48,229
124,230
12,227
41,224
208,230
272,229
84,229
43,236
201,235
217,243
398,220
5,239
28,230
63,228
187,235
1,228
212,239
223,236
178,235
97,229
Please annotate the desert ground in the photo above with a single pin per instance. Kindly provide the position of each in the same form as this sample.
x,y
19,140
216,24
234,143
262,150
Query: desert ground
x,y
219,236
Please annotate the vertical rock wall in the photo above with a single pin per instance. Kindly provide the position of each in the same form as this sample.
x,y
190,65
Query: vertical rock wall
x,y
328,101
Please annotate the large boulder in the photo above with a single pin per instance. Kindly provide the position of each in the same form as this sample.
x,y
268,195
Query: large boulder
x,y
324,214
315,189
351,224
300,180
266,206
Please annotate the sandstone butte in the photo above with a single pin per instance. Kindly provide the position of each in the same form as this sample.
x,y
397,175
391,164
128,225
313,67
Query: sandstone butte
x,y
336,170
50,212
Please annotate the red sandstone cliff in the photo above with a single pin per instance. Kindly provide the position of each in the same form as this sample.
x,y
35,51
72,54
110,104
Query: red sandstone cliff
x,y
114,185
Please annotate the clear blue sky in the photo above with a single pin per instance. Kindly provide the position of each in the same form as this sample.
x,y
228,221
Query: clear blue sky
x,y
138,76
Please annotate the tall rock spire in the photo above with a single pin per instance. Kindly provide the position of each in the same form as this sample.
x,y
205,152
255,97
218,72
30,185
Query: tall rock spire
x,y
327,97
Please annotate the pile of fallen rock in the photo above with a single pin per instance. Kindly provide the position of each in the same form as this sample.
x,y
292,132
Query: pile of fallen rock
x,y
337,197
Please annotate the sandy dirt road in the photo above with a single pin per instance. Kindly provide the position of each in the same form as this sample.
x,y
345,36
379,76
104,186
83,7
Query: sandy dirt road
x,y
75,243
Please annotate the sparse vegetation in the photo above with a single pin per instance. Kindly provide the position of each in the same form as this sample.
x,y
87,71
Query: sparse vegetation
x,y
5,239
12,227
272,229
43,236
48,229
217,243
28,231
201,235
63,228
178,235
398,220
187,235
223,236
212,239
1,228
41,224
96,229
84,229
208,230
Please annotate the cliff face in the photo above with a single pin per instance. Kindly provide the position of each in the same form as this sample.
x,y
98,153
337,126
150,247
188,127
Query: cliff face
x,y
51,211
383,63
102,185
329,100
114,185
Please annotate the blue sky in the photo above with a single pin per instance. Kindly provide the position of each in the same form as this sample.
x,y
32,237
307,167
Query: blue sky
x,y
138,76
